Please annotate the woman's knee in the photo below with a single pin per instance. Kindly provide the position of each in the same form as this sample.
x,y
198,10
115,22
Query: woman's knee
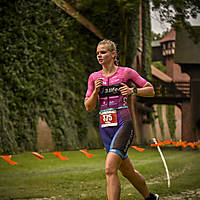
x,y
110,171
113,162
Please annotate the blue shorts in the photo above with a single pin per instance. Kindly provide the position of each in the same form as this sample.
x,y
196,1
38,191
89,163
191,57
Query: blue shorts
x,y
117,139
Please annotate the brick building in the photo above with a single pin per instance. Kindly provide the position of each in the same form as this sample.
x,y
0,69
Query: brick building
x,y
164,51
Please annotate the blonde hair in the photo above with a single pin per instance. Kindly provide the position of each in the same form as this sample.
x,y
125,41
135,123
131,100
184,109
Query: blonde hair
x,y
111,47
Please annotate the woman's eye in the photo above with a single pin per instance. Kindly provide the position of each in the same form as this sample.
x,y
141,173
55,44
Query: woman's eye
x,y
101,52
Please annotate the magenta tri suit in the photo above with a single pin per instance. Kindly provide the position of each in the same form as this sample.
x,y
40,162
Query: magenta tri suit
x,y
116,126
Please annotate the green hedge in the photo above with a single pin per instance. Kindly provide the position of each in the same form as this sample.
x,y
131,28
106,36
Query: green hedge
x,y
43,74
160,120
171,120
147,50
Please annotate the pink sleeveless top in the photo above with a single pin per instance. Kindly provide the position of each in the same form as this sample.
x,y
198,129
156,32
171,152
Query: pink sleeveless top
x,y
109,96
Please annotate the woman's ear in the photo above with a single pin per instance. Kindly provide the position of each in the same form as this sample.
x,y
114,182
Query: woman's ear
x,y
114,54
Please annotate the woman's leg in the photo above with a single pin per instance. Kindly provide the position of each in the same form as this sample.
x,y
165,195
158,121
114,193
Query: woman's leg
x,y
113,162
134,177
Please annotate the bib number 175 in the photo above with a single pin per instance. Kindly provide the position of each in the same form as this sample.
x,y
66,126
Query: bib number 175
x,y
108,118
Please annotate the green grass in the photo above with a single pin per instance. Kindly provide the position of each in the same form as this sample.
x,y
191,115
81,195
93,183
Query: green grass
x,y
82,178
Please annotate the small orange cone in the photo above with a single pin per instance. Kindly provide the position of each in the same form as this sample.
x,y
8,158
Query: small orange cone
x,y
177,144
58,154
192,144
154,145
137,148
40,157
184,144
167,142
89,155
7,158
161,143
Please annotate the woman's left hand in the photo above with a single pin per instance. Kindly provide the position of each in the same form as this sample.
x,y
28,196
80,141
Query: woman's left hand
x,y
125,90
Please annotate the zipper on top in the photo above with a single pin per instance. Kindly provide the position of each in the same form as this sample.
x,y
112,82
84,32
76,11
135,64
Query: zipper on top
x,y
108,96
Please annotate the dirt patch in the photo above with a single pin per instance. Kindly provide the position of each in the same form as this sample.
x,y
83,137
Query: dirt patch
x,y
173,175
44,136
186,195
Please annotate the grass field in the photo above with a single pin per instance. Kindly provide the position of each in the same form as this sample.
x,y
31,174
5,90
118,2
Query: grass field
x,y
82,178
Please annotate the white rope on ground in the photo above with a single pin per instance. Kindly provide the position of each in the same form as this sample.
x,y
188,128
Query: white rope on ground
x,y
164,162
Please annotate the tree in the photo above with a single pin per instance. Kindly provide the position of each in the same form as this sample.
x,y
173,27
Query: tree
x,y
158,36
178,13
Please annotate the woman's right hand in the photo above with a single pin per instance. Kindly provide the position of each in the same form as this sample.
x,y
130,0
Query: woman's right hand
x,y
90,103
98,83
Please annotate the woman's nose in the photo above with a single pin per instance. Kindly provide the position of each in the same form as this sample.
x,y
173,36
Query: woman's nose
x,y
99,55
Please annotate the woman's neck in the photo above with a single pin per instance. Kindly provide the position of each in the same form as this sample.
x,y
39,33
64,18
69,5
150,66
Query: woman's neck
x,y
109,70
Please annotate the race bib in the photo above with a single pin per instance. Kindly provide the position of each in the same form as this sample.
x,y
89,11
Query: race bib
x,y
108,118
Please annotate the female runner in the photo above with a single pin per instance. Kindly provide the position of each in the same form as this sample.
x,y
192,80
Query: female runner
x,y
110,87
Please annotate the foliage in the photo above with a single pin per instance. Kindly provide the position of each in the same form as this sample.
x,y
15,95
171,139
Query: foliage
x,y
146,28
160,66
171,120
104,15
129,31
132,36
160,120
169,10
178,13
159,36
152,120
107,17
7,142
42,59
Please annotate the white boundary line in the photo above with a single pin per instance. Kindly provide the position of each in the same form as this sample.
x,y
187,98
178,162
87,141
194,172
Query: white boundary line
x,y
164,162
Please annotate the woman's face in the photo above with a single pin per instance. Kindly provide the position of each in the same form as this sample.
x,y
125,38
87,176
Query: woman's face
x,y
104,56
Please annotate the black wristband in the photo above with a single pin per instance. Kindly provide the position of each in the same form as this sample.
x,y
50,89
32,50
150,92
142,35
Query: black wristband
x,y
134,91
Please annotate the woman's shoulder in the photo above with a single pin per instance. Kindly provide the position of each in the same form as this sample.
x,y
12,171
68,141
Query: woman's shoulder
x,y
126,69
95,75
